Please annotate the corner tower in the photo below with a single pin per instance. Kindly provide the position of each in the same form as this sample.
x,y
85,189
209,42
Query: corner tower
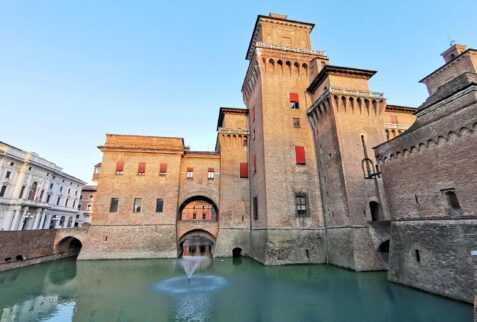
x,y
286,214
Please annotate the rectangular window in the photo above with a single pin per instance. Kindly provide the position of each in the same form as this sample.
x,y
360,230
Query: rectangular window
x,y
113,207
2,191
51,185
90,197
81,197
394,119
41,195
22,191
294,101
243,170
210,174
163,169
300,155
159,205
190,173
194,216
203,216
255,208
245,142
66,203
119,167
58,201
141,169
254,163
48,198
300,202
7,175
74,203
137,205
61,189
296,122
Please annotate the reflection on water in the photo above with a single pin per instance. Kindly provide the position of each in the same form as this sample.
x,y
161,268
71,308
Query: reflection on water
x,y
125,290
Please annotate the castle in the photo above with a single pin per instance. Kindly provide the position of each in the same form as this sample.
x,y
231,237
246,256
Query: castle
x,y
293,178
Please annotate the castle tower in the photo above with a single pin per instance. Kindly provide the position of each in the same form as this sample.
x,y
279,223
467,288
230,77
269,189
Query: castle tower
x,y
286,224
232,142
348,121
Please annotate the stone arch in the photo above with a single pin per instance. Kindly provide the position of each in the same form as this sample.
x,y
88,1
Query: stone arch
x,y
68,246
201,242
214,209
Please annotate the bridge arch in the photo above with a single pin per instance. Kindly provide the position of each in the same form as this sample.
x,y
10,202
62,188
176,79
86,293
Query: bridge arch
x,y
198,207
68,246
196,242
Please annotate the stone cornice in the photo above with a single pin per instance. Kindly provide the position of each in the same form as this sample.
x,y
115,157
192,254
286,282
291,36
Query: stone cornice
x,y
338,70
305,51
466,53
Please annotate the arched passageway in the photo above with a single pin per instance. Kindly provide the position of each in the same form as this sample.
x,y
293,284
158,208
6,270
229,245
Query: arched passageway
x,y
69,246
237,252
196,243
383,250
198,208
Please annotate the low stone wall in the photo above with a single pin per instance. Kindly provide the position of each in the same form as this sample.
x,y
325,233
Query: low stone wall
x,y
230,238
128,242
27,247
434,256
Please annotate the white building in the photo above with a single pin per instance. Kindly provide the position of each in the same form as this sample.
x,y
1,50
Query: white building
x,y
35,193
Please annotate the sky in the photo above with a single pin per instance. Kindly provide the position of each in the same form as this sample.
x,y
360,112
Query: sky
x,y
72,71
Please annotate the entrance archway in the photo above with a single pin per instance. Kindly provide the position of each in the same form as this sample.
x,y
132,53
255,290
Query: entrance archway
x,y
196,243
198,208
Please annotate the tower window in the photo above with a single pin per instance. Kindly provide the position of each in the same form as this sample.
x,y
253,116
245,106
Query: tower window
x,y
451,199
159,205
296,122
141,169
243,170
300,202
294,101
210,174
194,216
137,205
394,119
163,169
300,155
190,173
113,207
119,167
203,216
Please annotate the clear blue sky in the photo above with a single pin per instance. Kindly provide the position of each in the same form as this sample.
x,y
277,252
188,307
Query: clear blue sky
x,y
71,71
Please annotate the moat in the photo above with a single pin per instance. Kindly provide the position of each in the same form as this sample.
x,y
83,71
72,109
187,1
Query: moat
x,y
126,290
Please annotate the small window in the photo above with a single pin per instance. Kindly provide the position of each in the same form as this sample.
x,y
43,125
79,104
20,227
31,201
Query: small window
x,y
255,208
12,164
163,169
159,205
323,64
51,185
300,155
243,170
76,192
29,169
81,197
296,122
113,207
7,175
2,191
90,197
245,142
194,216
88,207
61,189
58,201
300,202
294,101
66,203
119,167
48,198
394,119
74,204
210,174
137,205
451,199
203,216
97,170
190,173
141,169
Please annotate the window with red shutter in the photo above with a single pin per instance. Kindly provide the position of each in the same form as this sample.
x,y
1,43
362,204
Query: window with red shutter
x,y
142,168
163,169
243,170
190,173
254,163
394,119
294,101
119,167
300,155
210,174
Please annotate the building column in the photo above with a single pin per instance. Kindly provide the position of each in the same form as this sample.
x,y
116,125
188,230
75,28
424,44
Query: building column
x,y
73,221
19,219
57,223
7,222
36,222
42,220
47,221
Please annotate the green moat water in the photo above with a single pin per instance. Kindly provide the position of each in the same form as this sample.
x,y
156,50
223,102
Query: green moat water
x,y
127,290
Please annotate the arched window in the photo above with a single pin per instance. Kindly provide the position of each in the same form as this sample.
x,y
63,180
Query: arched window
x,y
376,211
31,194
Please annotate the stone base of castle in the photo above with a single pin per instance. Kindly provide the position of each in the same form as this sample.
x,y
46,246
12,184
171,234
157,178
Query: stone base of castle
x,y
127,242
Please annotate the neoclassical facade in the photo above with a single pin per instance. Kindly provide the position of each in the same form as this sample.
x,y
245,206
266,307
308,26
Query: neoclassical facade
x,y
35,193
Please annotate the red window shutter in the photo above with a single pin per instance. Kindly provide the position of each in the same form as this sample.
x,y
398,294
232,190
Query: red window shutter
x,y
293,97
300,155
253,113
142,167
243,170
254,163
394,119
163,167
119,166
190,169
211,169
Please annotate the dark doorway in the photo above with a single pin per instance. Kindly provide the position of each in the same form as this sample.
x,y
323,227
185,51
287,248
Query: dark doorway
x,y
237,252
376,211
